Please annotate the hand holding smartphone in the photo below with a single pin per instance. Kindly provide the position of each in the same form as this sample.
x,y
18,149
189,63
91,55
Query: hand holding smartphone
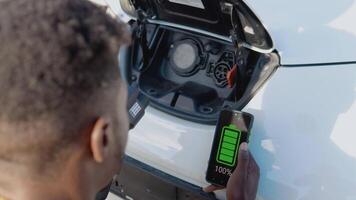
x,y
233,128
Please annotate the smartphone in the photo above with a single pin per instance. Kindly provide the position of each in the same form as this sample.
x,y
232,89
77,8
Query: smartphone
x,y
232,129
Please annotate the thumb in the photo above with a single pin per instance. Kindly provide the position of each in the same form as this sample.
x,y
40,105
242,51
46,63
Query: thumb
x,y
238,178
243,158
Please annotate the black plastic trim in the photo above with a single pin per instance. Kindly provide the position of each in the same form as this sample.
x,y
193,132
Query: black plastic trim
x,y
211,18
203,118
254,86
257,80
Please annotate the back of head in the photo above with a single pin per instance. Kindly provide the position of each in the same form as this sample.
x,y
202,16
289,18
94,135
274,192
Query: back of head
x,y
56,56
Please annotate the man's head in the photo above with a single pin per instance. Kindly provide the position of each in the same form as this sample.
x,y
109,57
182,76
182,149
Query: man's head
x,y
61,98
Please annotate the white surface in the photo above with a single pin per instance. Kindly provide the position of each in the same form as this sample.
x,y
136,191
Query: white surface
x,y
172,144
304,31
303,136
115,9
99,2
113,197
304,133
195,3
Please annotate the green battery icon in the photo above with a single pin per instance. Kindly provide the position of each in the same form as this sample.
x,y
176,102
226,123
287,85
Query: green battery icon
x,y
228,145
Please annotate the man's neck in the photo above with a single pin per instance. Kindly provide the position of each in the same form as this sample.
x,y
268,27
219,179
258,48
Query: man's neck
x,y
17,184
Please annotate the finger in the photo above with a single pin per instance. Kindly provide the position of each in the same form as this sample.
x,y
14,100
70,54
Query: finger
x,y
212,188
237,181
243,158
240,173
253,177
253,168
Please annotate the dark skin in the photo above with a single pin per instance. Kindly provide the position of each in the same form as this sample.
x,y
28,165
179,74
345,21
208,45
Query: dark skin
x,y
243,183
91,164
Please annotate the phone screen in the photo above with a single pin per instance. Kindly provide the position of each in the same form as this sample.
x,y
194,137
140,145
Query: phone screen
x,y
232,129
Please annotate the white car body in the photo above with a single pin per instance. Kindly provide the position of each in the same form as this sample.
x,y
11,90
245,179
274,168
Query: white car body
x,y
304,134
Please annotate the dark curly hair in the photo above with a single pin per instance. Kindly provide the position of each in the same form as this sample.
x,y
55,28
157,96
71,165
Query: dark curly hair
x,y
55,56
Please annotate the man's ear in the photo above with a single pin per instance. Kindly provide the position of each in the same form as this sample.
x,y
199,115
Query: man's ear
x,y
99,140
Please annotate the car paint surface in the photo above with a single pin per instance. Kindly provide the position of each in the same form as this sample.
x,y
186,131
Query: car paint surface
x,y
303,136
307,32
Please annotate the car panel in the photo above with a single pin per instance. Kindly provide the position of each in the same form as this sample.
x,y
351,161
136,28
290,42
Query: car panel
x,y
161,140
302,136
308,32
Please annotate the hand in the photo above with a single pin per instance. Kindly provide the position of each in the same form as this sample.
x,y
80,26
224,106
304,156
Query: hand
x,y
243,183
